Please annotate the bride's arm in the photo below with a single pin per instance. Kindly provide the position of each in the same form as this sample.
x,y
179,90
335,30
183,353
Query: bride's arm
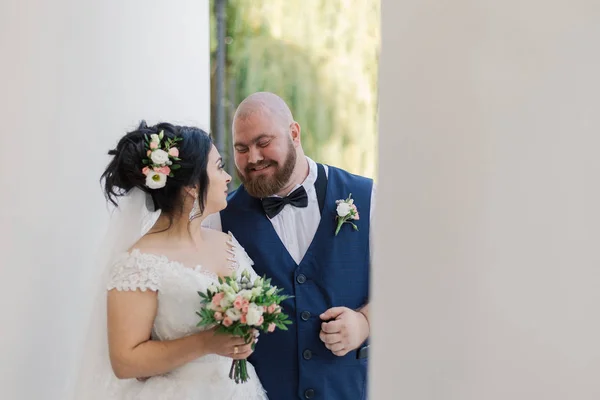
x,y
130,318
132,354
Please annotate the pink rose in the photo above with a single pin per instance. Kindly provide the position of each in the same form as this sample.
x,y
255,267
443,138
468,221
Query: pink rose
x,y
271,309
245,308
260,321
271,327
145,170
174,152
218,316
264,308
227,321
238,302
216,300
245,302
148,153
153,145
163,170
243,319
355,212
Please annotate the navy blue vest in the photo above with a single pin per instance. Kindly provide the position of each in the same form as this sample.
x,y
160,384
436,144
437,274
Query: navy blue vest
x,y
334,272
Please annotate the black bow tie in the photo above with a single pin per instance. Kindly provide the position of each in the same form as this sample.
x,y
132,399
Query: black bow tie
x,y
274,205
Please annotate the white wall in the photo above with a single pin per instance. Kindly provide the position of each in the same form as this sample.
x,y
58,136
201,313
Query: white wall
x,y
75,75
487,277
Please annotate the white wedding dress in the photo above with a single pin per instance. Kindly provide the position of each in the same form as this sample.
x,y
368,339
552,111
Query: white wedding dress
x,y
206,378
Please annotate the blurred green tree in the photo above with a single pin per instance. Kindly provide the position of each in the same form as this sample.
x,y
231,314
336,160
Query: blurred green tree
x,y
321,57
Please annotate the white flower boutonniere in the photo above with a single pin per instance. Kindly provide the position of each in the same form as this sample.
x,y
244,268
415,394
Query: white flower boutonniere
x,y
346,211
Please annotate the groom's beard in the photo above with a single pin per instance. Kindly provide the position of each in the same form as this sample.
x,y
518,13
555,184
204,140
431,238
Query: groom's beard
x,y
265,186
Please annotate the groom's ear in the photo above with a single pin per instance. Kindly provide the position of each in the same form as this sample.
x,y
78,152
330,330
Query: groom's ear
x,y
295,132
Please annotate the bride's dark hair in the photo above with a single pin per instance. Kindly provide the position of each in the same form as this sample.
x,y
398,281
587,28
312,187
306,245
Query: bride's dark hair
x,y
124,171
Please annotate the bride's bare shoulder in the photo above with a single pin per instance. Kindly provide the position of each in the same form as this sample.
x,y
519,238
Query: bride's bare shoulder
x,y
151,242
214,235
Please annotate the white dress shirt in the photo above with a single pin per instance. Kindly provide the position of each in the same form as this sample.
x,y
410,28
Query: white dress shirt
x,y
296,227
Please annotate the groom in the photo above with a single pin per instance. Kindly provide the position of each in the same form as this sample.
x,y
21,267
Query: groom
x,y
284,215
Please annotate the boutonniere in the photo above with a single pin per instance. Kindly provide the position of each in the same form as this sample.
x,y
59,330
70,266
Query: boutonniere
x,y
346,212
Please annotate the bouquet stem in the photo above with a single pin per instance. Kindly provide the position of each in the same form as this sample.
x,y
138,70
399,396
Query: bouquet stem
x,y
239,371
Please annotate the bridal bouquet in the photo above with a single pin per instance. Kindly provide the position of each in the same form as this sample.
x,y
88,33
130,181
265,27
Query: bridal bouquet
x,y
239,307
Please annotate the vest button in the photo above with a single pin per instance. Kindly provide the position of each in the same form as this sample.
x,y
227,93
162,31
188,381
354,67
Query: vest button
x,y
307,354
305,315
309,393
301,278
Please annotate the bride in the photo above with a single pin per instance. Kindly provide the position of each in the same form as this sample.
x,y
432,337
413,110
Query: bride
x,y
143,342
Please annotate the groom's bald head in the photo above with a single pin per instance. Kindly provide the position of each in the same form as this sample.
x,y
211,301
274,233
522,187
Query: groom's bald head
x,y
265,103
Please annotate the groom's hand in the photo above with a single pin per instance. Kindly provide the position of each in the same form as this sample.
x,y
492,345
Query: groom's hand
x,y
345,330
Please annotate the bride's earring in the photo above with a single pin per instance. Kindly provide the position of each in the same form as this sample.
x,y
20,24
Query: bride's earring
x,y
195,212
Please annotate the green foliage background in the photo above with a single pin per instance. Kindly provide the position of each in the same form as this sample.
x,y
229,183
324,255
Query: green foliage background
x,y
321,57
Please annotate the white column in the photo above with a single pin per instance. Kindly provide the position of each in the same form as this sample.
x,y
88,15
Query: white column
x,y
75,76
487,272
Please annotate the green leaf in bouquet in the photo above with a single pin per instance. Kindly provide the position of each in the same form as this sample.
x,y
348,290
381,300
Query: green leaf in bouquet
x,y
237,331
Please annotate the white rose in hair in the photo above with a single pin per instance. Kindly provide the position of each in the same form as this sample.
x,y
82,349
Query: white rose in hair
x,y
343,209
155,180
159,157
254,314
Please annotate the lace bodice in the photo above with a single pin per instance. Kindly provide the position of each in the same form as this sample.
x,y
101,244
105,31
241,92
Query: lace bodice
x,y
177,286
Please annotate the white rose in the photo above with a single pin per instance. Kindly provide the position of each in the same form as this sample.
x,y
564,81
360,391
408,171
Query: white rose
x,y
343,209
227,289
155,180
213,288
225,303
246,294
230,296
254,314
159,157
234,314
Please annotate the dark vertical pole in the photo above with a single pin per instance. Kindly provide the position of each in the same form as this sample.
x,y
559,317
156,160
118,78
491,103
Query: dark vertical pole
x,y
220,83
232,103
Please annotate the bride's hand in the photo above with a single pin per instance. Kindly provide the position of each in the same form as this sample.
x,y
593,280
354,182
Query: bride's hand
x,y
227,345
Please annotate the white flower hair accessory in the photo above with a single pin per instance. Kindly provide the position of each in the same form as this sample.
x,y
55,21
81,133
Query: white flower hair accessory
x,y
346,211
159,159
